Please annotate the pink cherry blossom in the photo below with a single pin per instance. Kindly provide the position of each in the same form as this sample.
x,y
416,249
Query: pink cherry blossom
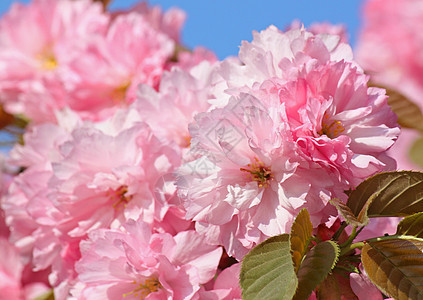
x,y
40,150
401,150
226,286
180,97
24,187
390,44
86,176
134,264
379,227
10,271
108,79
170,22
81,67
363,287
274,54
16,281
38,42
231,176
302,129
323,28
6,176
390,49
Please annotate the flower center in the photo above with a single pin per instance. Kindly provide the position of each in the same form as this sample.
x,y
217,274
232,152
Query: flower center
x,y
331,128
259,172
186,141
120,195
119,93
48,60
149,286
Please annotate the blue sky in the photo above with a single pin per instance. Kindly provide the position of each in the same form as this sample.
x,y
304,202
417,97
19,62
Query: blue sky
x,y
221,25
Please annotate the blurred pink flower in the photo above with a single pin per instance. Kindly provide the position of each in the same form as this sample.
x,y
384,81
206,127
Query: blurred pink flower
x,y
38,41
170,22
81,66
106,79
390,49
390,45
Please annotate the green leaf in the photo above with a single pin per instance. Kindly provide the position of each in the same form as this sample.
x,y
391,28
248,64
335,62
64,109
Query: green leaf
x,y
409,113
47,296
317,264
390,194
267,271
411,225
300,237
350,218
416,152
395,266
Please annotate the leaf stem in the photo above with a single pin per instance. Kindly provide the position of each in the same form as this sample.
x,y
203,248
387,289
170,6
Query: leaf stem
x,y
339,231
351,247
351,238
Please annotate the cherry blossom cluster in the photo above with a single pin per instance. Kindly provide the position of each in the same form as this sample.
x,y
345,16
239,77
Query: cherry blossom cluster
x,y
147,171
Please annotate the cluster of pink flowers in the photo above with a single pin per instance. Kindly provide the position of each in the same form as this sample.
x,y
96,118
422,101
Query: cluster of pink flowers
x,y
297,127
143,165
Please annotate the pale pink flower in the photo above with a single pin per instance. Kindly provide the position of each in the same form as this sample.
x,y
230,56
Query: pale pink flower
x,y
106,78
6,177
41,148
337,121
363,287
135,263
248,182
15,280
400,151
378,227
38,41
10,271
81,66
302,129
390,45
274,54
31,183
226,286
85,176
170,22
180,97
99,188
323,28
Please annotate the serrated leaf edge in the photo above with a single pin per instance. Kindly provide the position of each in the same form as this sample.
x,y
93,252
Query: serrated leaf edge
x,y
307,243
